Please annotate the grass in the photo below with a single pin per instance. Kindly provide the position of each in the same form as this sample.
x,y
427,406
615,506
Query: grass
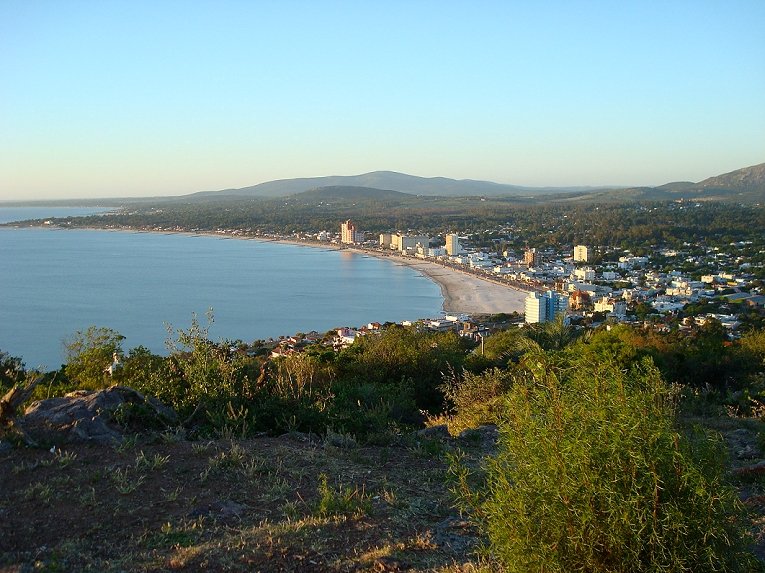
x,y
150,463
341,500
124,482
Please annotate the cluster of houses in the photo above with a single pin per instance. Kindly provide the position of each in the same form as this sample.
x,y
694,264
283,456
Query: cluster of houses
x,y
462,324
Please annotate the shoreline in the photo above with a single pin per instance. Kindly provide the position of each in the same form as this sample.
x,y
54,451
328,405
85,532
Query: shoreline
x,y
462,292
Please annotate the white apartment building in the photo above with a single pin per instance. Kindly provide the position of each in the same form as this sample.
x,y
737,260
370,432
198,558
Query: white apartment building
x,y
611,305
545,307
585,274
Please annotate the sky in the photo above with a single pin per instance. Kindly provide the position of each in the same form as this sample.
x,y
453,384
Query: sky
x,y
147,98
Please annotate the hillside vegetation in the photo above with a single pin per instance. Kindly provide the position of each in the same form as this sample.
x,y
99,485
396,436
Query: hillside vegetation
x,y
608,457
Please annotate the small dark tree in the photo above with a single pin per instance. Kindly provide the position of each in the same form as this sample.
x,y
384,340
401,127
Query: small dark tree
x,y
89,354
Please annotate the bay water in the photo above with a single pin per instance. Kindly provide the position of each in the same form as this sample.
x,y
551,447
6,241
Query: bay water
x,y
54,282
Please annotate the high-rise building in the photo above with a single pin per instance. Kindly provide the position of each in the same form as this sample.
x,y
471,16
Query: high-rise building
x,y
349,234
582,253
535,308
545,307
453,246
531,258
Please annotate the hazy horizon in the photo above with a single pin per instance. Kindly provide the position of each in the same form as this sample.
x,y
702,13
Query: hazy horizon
x,y
133,99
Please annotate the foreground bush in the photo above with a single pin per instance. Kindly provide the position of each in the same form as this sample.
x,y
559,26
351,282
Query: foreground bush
x,y
591,475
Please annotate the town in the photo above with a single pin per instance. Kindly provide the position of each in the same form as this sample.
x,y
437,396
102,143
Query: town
x,y
584,285
590,285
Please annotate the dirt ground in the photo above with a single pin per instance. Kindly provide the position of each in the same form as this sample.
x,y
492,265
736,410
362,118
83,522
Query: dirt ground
x,y
292,503
263,504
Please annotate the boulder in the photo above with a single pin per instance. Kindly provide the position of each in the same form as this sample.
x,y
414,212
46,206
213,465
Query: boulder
x,y
100,416
440,432
485,436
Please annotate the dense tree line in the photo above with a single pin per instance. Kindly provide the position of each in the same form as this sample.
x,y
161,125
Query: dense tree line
x,y
630,226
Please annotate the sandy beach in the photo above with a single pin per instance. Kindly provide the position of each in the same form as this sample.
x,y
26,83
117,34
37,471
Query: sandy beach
x,y
463,292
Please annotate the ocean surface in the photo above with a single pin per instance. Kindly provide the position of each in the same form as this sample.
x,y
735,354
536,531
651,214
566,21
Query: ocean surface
x,y
54,282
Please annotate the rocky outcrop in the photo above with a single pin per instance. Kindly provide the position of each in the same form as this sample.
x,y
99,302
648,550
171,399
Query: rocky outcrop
x,y
100,417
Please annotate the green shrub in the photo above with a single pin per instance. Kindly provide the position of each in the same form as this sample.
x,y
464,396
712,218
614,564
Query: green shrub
x,y
89,353
405,355
591,475
372,412
475,398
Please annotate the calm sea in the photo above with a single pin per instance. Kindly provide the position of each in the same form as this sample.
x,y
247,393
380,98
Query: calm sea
x,y
55,282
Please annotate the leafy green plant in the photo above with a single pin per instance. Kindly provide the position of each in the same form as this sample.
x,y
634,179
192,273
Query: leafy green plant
x,y
89,354
592,475
475,398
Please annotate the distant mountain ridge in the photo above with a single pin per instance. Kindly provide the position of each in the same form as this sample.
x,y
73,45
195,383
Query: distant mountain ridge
x,y
389,180
748,178
744,185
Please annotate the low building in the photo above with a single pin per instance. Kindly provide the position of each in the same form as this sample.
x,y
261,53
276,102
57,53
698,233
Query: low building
x,y
585,274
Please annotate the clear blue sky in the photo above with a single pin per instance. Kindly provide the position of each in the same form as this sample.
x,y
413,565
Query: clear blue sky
x,y
109,98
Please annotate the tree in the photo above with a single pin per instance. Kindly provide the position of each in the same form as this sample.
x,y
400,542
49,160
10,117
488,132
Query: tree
x,y
89,354
551,335
11,370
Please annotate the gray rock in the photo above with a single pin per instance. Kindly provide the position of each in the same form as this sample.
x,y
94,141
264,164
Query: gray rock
x,y
224,509
89,416
486,435
440,432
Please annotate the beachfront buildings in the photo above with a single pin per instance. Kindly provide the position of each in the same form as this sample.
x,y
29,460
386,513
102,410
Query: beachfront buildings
x,y
404,243
453,246
582,254
349,234
545,307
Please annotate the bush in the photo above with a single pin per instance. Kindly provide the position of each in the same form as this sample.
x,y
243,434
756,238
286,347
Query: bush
x,y
475,398
88,355
591,475
372,413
